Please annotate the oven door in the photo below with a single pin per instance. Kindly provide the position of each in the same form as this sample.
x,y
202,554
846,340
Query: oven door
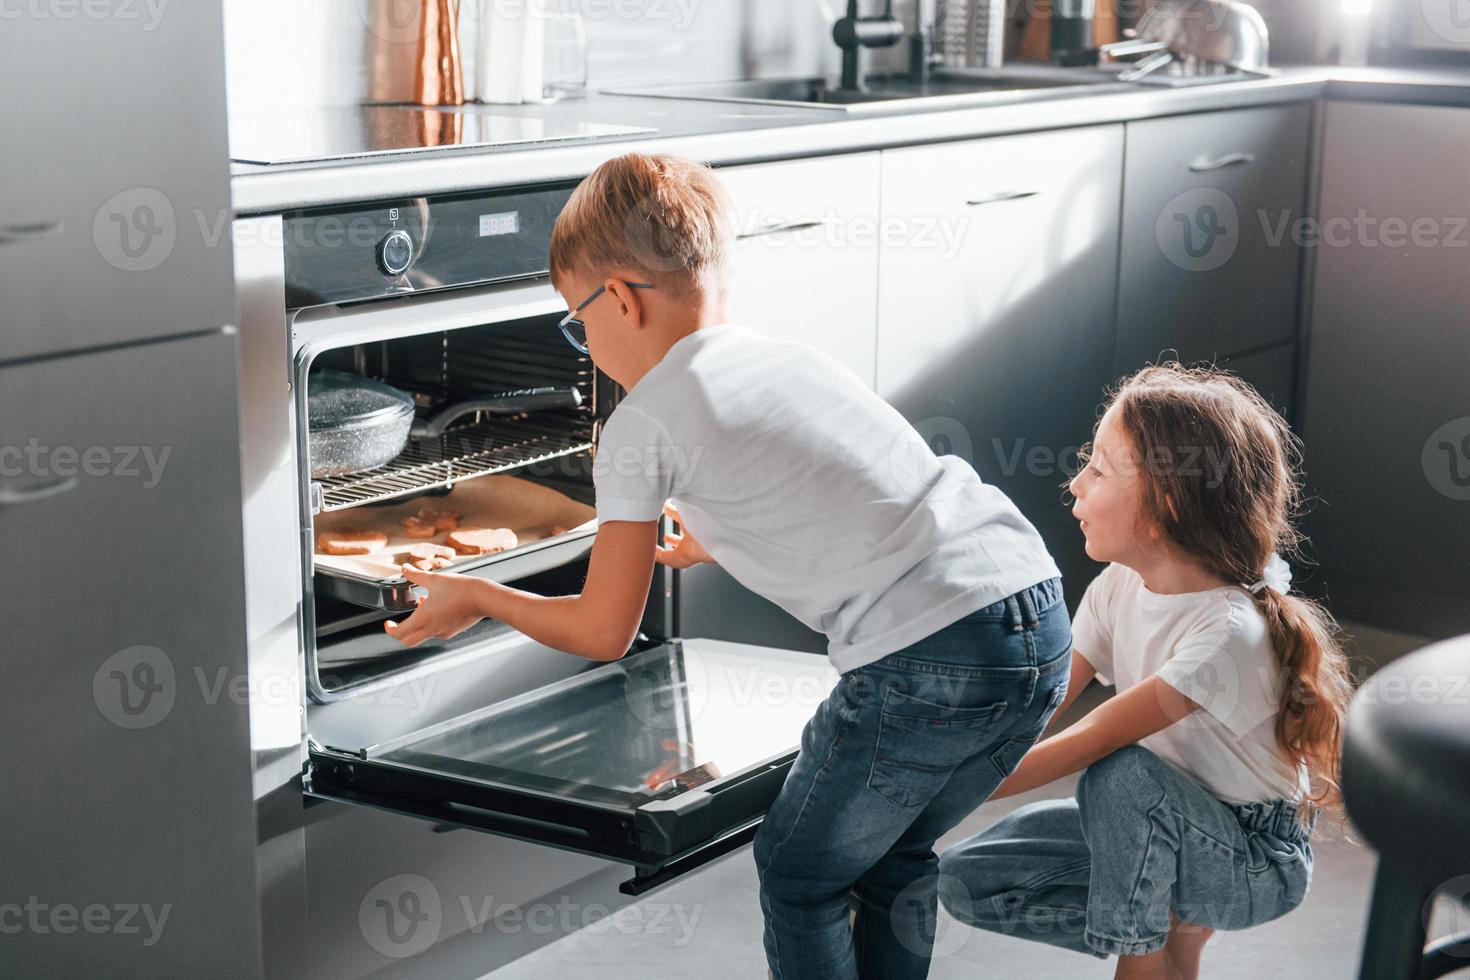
x,y
663,760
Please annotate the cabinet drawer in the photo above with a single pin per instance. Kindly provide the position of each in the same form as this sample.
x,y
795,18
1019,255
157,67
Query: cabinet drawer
x,y
1208,264
114,223
805,265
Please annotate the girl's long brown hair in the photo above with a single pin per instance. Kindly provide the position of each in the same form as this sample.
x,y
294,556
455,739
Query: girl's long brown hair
x,y
1220,472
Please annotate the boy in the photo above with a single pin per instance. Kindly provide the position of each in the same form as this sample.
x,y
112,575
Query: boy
x,y
941,606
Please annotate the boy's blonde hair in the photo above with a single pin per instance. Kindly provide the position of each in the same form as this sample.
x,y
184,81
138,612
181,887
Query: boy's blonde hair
x,y
665,218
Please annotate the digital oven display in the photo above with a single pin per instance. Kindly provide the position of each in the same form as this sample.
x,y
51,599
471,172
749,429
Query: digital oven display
x,y
501,223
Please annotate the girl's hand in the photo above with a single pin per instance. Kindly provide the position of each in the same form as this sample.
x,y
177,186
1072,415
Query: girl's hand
x,y
448,610
679,549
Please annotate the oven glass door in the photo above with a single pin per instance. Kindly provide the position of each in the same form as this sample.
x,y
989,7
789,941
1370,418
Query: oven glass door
x,y
663,760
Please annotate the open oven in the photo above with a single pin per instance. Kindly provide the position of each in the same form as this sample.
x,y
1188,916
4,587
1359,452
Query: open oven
x,y
662,760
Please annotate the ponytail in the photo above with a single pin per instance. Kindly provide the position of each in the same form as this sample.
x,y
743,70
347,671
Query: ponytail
x,y
1315,689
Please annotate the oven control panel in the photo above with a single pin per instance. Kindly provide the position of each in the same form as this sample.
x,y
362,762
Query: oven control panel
x,y
390,248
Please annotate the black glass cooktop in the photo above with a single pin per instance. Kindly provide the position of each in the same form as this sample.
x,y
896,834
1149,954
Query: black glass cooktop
x,y
344,132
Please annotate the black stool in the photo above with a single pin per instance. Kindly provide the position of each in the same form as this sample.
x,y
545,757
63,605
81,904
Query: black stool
x,y
1406,783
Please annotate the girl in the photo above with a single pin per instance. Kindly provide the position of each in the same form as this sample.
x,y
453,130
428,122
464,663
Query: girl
x,y
1204,775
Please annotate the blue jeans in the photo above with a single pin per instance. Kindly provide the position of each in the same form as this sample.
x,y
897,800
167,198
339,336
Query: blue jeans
x,y
900,752
1101,873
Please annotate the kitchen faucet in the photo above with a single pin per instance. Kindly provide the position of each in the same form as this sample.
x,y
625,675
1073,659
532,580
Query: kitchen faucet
x,y
853,33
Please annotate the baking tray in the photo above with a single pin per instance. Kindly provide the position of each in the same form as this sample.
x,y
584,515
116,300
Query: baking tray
x,y
552,529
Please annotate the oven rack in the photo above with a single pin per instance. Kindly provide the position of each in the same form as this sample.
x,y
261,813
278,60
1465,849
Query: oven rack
x,y
493,445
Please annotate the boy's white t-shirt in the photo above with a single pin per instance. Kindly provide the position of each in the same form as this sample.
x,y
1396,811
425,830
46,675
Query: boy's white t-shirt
x,y
1214,647
812,491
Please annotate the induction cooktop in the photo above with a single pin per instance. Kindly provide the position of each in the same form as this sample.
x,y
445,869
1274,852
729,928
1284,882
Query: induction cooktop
x,y
346,132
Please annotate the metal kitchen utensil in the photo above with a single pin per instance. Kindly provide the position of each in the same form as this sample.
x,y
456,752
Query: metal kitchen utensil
x,y
1223,32
359,424
355,423
504,403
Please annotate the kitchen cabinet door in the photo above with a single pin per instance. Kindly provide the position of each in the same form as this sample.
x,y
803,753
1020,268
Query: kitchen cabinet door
x,y
805,265
1272,372
995,338
1386,416
1209,265
115,201
125,736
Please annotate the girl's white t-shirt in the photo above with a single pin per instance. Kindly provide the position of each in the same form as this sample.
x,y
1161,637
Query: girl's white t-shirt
x,y
1212,646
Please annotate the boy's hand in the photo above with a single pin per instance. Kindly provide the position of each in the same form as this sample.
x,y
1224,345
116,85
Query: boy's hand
x,y
679,549
448,610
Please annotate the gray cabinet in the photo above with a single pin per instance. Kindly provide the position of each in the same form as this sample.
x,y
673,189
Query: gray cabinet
x,y
124,735
995,309
1272,372
115,200
1209,265
805,261
1387,416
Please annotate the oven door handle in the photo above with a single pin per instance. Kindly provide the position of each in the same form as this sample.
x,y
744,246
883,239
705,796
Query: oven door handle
x,y
645,880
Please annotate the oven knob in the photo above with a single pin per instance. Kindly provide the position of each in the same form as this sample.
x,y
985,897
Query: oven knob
x,y
395,252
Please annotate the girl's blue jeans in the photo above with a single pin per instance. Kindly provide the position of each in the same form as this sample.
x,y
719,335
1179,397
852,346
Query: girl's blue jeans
x,y
1101,873
900,752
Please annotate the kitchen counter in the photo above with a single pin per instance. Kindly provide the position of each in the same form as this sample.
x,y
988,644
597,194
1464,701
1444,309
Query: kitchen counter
x,y
729,133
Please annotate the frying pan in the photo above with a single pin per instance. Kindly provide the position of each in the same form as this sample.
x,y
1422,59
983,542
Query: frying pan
x,y
357,424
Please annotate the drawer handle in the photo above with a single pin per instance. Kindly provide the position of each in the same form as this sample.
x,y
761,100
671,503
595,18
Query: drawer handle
x,y
1205,164
15,496
1002,196
776,227
29,233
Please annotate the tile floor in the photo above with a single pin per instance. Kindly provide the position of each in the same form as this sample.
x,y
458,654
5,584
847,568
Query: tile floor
x,y
719,934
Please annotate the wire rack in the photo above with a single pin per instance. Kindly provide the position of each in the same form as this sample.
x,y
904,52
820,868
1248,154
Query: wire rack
x,y
491,446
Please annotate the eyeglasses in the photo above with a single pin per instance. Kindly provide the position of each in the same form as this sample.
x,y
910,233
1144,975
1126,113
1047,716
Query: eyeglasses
x,y
575,330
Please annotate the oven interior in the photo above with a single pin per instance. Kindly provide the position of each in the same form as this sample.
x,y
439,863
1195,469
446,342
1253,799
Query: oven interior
x,y
346,645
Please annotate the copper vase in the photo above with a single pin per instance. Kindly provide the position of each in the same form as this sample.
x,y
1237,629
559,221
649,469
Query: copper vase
x,y
440,76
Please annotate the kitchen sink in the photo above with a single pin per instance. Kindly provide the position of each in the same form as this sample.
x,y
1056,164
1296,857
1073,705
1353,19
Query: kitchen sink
x,y
949,87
